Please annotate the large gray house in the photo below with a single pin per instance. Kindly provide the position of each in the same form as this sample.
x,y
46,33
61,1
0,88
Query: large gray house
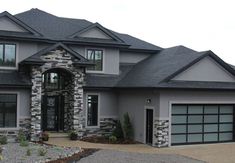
x,y
59,74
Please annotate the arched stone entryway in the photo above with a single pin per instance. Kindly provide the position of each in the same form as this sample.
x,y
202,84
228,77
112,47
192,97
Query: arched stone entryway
x,y
58,59
57,100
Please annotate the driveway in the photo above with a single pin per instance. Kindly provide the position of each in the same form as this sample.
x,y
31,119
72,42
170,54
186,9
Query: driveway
x,y
113,156
212,153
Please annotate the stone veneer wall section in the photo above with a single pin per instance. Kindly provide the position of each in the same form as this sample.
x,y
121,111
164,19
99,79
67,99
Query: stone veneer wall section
x,y
161,133
107,125
56,59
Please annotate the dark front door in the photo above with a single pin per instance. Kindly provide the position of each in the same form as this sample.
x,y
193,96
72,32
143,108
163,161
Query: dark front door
x,y
149,126
50,113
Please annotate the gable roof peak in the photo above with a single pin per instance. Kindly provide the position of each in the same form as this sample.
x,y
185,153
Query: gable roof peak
x,y
20,23
100,27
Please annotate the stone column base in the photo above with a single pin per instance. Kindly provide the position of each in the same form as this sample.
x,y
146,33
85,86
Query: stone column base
x,y
161,133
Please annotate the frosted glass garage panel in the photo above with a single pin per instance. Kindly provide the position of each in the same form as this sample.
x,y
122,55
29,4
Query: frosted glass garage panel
x,y
210,118
194,128
226,118
195,118
178,129
225,136
179,119
211,109
226,109
192,138
195,109
210,137
178,139
211,128
179,109
226,127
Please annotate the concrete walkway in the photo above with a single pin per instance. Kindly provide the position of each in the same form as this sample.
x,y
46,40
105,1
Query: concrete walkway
x,y
213,153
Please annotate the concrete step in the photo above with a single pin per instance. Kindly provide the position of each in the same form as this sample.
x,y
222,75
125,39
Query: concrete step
x,y
58,134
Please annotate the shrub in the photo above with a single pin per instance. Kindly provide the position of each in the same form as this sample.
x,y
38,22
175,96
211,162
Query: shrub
x,y
118,132
45,136
73,135
28,152
21,136
3,139
127,127
24,143
42,152
1,157
112,139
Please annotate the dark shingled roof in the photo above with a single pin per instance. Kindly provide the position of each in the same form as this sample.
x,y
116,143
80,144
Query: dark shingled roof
x,y
105,80
157,70
14,79
58,28
151,71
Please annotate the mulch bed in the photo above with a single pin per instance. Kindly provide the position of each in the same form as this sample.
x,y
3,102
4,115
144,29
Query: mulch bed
x,y
105,140
75,157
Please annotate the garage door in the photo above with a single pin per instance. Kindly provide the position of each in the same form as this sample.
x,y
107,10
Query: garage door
x,y
195,124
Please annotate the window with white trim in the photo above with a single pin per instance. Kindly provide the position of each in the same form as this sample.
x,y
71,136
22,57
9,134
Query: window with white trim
x,y
95,56
92,110
7,55
8,110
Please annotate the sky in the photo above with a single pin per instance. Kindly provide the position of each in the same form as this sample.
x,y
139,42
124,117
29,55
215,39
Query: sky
x,y
198,24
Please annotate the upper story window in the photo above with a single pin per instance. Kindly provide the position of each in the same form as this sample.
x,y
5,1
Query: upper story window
x,y
95,56
7,55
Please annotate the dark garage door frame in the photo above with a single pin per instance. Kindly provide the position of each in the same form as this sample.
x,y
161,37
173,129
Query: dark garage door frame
x,y
204,115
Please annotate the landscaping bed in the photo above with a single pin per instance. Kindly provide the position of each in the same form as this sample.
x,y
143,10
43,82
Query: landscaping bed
x,y
106,140
33,152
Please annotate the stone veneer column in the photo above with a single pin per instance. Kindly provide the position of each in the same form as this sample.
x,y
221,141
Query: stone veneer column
x,y
78,112
75,116
161,133
36,77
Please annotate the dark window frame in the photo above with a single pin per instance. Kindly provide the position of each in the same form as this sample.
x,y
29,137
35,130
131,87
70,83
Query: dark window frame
x,y
4,55
4,110
93,60
204,123
89,122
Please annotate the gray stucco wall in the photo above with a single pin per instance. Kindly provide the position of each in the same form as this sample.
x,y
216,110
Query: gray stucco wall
x,y
132,57
7,25
167,97
111,58
25,50
95,33
134,103
206,70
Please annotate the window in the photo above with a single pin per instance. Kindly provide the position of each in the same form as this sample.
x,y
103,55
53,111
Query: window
x,y
50,80
95,56
92,110
7,55
8,104
54,80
